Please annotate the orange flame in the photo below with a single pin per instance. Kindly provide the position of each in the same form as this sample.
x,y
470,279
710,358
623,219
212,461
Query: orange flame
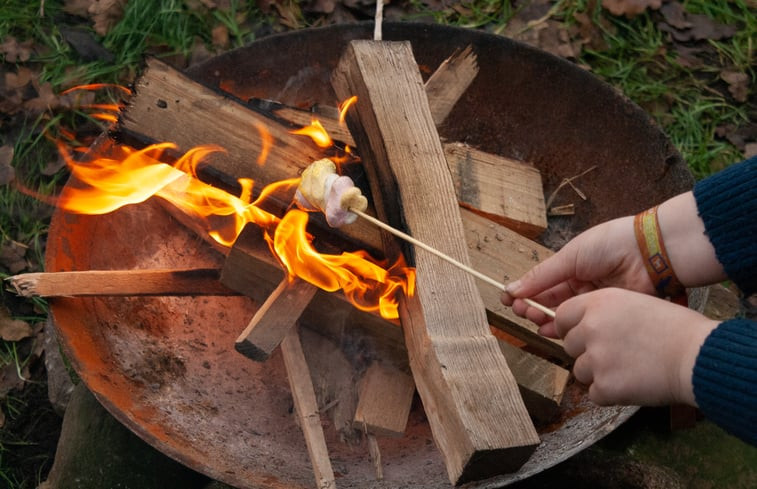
x,y
266,143
97,86
317,133
365,283
344,106
132,176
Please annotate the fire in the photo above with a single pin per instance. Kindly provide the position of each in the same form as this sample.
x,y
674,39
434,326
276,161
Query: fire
x,y
344,106
365,283
124,176
317,133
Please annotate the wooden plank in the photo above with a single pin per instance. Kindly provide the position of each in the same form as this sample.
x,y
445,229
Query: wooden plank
x,y
275,317
306,406
191,281
471,398
385,398
504,190
541,383
504,255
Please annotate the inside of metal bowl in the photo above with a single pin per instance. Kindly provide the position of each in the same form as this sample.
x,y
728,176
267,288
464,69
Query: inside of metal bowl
x,y
166,366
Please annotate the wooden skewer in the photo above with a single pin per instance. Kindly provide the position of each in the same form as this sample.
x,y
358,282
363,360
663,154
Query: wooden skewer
x,y
549,312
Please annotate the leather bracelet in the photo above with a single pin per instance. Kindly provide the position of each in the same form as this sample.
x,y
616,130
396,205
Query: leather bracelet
x,y
655,257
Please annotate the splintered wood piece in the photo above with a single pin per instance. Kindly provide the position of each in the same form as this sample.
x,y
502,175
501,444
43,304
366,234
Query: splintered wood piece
x,y
472,401
275,317
144,116
175,282
251,270
385,398
448,83
504,190
375,452
306,406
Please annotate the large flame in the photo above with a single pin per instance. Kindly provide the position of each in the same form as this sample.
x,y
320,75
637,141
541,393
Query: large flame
x,y
122,175
129,176
365,283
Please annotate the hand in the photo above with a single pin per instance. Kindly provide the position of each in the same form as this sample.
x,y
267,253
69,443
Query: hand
x,y
631,348
607,256
603,256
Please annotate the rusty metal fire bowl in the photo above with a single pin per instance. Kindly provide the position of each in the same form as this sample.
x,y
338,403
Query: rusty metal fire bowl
x,y
166,366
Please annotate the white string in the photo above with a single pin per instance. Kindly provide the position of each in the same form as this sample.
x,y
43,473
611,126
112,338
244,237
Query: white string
x,y
379,20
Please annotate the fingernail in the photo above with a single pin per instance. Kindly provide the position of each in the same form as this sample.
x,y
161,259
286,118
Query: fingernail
x,y
513,287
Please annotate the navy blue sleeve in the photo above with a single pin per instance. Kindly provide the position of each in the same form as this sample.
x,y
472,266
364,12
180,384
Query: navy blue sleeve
x,y
727,203
725,372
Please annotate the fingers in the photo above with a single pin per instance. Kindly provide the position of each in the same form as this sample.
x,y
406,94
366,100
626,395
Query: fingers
x,y
554,270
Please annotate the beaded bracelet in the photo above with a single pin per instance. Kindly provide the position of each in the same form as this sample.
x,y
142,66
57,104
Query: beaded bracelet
x,y
656,259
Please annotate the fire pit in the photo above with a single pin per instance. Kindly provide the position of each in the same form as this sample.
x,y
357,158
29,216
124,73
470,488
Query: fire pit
x,y
165,366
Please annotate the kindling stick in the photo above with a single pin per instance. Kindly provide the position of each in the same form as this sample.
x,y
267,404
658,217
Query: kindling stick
x,y
549,312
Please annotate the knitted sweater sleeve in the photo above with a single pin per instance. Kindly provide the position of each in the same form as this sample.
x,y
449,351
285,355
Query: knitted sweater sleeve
x,y
725,372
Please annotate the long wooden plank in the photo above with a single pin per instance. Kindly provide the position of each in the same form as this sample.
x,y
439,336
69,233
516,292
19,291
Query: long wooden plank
x,y
472,401
306,406
274,318
192,281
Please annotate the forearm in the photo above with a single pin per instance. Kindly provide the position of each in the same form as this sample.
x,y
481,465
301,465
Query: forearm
x,y
725,378
691,253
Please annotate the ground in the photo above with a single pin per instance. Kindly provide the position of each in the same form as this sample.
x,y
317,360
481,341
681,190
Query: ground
x,y
689,64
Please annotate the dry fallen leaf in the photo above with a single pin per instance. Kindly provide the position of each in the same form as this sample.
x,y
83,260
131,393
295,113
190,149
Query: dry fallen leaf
x,y
15,81
46,99
675,15
688,57
220,36
9,380
77,7
16,52
7,172
738,84
13,256
13,329
106,14
630,8
704,27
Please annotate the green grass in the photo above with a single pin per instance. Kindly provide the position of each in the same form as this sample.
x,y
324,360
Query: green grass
x,y
688,104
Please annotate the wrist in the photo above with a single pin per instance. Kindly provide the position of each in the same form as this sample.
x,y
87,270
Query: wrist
x,y
697,334
691,254
655,258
